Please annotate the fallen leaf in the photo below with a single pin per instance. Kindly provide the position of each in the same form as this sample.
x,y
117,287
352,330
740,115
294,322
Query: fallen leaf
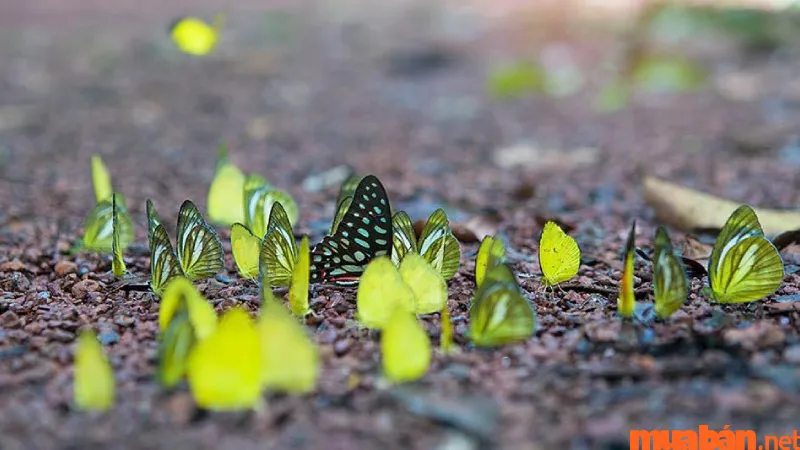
x,y
786,239
477,227
689,209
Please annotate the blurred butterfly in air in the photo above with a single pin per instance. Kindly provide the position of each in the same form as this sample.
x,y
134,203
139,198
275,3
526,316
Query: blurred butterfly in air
x,y
199,250
193,36
436,243
744,265
363,233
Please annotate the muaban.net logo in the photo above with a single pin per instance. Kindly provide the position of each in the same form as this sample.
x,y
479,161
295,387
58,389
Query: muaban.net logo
x,y
705,438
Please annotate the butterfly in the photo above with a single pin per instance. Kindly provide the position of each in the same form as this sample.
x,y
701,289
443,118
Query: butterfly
x,y
98,234
93,383
670,283
430,289
491,252
278,252
117,263
226,193
298,291
500,314
344,199
193,36
199,250
289,355
381,290
626,301
436,243
405,347
744,265
101,179
258,205
225,370
559,255
245,248
365,232
174,346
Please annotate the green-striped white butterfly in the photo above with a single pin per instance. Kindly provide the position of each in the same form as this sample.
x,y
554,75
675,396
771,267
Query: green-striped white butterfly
x,y
117,263
278,249
744,265
98,232
199,252
500,314
259,199
364,233
670,283
436,243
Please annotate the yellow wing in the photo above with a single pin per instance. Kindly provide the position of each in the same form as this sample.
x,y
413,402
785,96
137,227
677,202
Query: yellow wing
x,y
626,301
430,289
101,179
195,37
279,250
744,265
225,370
491,252
670,283
559,255
93,385
405,347
174,346
199,248
245,248
438,245
290,358
380,290
446,338
403,238
226,193
164,264
117,263
181,291
499,314
298,292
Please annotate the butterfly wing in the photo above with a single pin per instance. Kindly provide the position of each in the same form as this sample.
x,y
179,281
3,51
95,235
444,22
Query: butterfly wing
x,y
559,255
152,218
101,180
491,252
245,248
500,314
226,193
99,228
279,249
340,212
403,238
670,283
174,346
438,245
348,188
117,263
364,233
193,36
626,301
164,264
298,291
259,205
199,248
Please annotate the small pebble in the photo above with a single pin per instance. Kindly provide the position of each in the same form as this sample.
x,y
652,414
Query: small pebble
x,y
64,267
341,347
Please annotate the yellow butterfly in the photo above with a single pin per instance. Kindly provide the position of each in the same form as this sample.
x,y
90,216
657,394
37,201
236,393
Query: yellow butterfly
x,y
381,289
117,263
98,234
344,200
405,347
246,248
559,255
446,337
436,243
199,252
174,346
491,252
258,205
195,37
289,356
744,265
226,193
101,179
626,301
225,370
179,292
93,383
670,283
278,252
298,291
428,286
500,314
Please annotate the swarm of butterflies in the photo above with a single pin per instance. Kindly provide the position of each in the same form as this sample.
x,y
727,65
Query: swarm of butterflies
x,y
229,361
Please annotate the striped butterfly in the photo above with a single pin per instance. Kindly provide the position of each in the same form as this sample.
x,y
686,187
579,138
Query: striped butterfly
x,y
744,264
117,263
258,205
436,243
278,249
98,232
199,250
626,301
364,233
500,314
670,283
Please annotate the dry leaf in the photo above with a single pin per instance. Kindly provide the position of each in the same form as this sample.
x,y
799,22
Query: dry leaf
x,y
689,209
